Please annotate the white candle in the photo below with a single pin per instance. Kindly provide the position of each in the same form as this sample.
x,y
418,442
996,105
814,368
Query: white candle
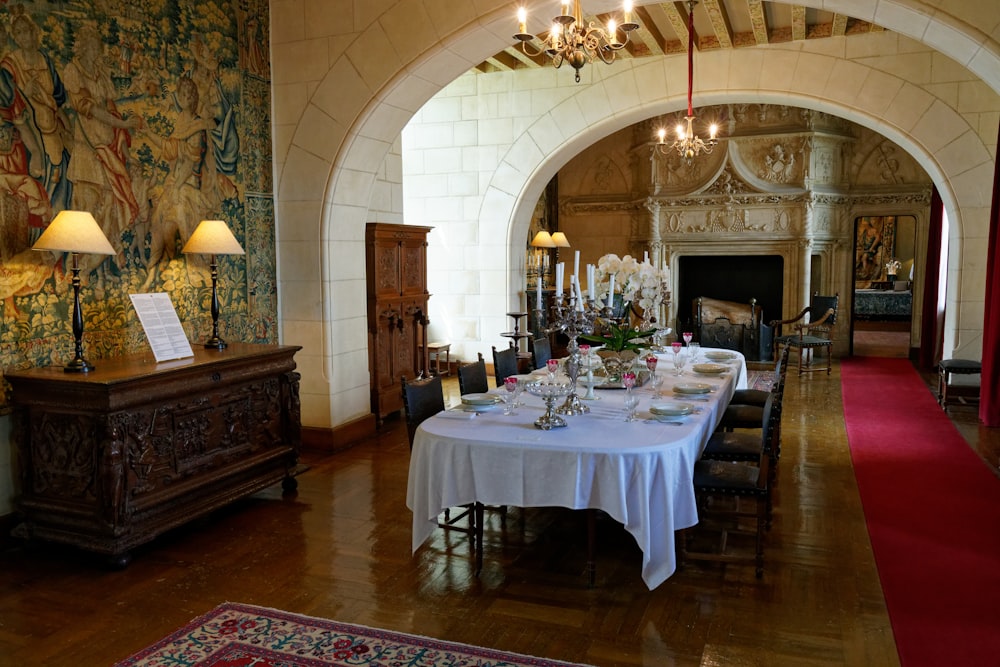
x,y
538,293
559,278
579,297
611,291
576,265
645,257
590,281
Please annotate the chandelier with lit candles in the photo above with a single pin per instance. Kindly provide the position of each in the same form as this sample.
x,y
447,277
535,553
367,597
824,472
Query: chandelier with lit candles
x,y
688,144
569,40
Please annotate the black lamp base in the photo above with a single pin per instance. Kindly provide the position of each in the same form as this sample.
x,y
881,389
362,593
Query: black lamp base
x,y
78,366
215,343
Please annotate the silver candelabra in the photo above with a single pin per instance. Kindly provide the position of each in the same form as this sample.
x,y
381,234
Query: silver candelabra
x,y
573,317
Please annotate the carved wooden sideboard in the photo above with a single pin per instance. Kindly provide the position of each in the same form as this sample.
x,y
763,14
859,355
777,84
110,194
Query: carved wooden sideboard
x,y
110,459
397,310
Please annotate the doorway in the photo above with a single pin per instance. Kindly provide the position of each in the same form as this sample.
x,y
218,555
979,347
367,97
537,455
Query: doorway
x,y
882,307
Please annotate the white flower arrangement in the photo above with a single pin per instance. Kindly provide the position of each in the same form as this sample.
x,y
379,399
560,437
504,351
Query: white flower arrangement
x,y
893,266
639,282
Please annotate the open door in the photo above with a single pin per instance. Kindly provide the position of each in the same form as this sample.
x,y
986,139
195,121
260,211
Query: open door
x,y
882,304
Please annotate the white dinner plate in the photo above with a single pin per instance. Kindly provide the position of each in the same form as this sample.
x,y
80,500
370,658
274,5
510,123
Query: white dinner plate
x,y
671,409
692,388
480,399
719,355
709,369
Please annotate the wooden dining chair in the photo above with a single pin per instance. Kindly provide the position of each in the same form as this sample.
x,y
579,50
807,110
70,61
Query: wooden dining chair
x,y
472,378
504,364
714,480
422,399
541,352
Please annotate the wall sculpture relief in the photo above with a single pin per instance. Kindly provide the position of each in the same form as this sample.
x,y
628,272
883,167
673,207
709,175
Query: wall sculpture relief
x,y
152,115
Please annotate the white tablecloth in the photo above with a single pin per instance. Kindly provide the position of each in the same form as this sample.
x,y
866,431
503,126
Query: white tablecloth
x,y
640,473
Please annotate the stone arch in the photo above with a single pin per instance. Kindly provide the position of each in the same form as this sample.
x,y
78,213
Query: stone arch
x,y
343,132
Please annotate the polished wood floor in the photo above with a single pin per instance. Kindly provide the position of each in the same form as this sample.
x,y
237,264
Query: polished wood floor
x,y
340,549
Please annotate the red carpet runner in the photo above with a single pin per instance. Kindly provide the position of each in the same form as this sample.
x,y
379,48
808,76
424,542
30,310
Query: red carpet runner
x,y
933,513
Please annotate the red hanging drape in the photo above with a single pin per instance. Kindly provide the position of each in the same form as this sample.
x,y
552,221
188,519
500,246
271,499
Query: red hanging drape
x,y
932,322
989,393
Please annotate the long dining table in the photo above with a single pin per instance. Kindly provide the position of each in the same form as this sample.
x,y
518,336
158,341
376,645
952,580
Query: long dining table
x,y
638,472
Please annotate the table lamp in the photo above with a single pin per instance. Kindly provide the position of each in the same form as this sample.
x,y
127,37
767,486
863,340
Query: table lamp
x,y
75,232
212,237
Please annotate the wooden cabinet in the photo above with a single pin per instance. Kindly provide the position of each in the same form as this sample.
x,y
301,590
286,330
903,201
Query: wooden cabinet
x,y
112,458
397,310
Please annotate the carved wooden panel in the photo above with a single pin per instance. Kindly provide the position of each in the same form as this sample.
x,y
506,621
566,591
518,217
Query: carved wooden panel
x,y
397,309
110,459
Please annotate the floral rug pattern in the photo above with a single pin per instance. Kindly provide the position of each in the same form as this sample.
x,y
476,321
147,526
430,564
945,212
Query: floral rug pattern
x,y
238,635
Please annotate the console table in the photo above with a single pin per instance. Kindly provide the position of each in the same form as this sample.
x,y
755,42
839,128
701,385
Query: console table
x,y
112,458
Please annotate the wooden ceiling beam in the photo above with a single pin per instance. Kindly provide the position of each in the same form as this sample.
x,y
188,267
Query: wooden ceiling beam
x,y
798,22
839,28
758,19
721,25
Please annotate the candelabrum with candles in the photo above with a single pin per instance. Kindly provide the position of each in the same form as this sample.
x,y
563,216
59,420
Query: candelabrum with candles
x,y
573,315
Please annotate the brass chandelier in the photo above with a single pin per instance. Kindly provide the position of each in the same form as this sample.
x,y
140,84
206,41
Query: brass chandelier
x,y
688,144
569,40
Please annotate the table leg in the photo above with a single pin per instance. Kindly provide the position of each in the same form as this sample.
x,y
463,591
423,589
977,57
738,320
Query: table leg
x,y
592,545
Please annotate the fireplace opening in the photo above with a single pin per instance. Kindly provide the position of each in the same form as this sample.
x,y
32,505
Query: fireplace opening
x,y
736,278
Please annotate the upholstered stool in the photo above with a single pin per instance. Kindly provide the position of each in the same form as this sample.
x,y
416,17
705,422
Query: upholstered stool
x,y
957,392
435,350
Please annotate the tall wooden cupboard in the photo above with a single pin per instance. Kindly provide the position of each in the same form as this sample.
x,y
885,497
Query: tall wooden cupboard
x,y
396,257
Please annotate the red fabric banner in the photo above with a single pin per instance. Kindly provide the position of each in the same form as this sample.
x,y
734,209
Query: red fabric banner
x,y
989,394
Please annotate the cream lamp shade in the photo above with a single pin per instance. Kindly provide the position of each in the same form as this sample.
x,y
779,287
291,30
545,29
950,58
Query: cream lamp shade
x,y
74,231
212,237
543,240
560,240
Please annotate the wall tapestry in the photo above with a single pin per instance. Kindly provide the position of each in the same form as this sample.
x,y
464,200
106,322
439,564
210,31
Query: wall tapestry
x,y
153,115
874,245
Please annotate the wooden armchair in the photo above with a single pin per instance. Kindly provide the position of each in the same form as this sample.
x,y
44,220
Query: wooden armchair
x,y
813,330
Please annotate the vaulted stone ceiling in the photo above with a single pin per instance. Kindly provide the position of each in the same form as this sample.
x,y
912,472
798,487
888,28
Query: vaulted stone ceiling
x,y
718,24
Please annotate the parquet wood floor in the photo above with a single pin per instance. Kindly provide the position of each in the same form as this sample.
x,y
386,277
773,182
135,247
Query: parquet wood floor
x,y
340,549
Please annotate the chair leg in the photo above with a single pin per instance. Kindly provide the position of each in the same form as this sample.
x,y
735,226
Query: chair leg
x,y
761,518
479,537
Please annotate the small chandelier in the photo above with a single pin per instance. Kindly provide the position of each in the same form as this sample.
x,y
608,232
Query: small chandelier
x,y
688,144
570,41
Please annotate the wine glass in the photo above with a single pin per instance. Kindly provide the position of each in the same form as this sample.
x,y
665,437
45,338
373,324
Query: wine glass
x,y
687,337
631,398
552,365
510,384
694,349
651,361
680,358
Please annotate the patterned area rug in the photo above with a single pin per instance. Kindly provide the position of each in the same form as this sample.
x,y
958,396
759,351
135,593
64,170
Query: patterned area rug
x,y
760,379
240,635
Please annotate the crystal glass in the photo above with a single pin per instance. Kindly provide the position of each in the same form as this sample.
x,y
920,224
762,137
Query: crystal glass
x,y
687,337
631,398
656,382
694,349
680,358
552,365
510,386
